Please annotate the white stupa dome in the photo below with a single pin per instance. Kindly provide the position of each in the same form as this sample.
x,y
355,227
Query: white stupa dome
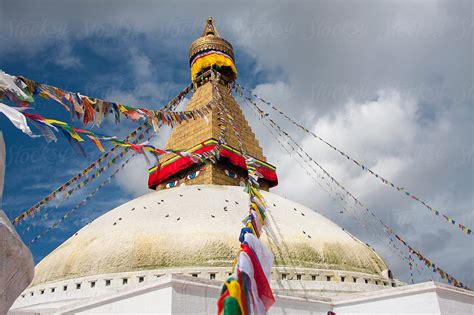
x,y
198,226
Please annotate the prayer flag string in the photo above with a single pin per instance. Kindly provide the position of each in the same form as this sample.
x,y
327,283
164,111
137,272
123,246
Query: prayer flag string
x,y
94,165
444,275
74,137
248,288
99,171
402,190
22,91
63,191
83,201
334,195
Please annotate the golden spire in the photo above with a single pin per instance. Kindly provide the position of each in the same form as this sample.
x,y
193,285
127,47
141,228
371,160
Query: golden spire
x,y
211,51
209,28
201,135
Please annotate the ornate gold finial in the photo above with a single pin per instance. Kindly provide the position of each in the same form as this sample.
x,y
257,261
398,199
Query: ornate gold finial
x,y
209,28
210,50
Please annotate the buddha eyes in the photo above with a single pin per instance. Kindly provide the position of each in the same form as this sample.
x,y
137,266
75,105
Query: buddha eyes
x,y
230,174
193,175
172,184
190,176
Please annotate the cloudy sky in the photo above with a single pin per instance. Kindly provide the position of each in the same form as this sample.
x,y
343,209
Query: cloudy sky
x,y
388,82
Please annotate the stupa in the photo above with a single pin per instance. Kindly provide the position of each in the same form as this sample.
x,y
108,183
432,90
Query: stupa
x,y
168,251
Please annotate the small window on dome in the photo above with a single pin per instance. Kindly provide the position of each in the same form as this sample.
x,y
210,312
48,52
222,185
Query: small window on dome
x,y
212,276
390,274
313,277
141,279
298,277
107,282
194,275
124,281
64,287
78,286
52,290
42,291
284,276
328,278
92,284
343,279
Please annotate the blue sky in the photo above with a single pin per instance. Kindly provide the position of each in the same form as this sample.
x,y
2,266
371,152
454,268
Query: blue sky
x,y
391,84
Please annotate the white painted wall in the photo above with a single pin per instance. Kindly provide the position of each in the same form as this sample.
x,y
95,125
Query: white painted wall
x,y
59,293
424,303
290,305
180,294
190,298
423,298
453,303
154,302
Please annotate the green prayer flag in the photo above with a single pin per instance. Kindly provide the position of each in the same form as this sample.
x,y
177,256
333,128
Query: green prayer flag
x,y
231,306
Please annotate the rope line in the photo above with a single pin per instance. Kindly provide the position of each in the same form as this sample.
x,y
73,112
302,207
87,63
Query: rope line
x,y
402,190
444,275
338,198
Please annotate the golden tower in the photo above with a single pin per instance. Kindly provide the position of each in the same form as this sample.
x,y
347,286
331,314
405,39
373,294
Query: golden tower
x,y
208,55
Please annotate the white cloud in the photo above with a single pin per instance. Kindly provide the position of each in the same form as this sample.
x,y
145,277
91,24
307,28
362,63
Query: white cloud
x,y
141,65
66,58
377,132
133,179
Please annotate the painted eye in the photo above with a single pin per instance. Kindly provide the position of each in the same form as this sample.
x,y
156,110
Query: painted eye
x,y
230,174
172,184
193,175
